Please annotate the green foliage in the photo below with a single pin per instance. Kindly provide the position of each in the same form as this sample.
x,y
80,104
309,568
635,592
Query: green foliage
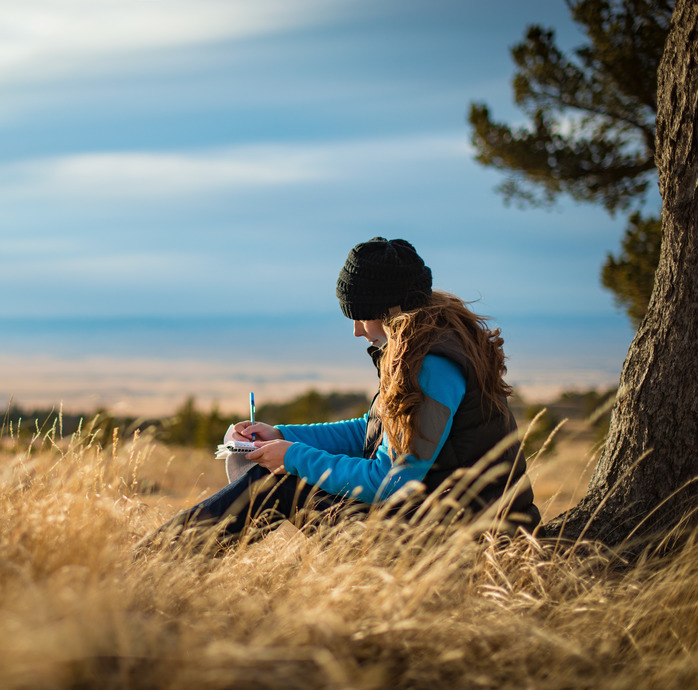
x,y
630,275
591,113
191,427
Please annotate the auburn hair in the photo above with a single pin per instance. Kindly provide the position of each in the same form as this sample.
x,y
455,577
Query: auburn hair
x,y
411,334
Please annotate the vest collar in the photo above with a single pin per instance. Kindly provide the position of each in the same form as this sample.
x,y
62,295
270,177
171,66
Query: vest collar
x,y
376,353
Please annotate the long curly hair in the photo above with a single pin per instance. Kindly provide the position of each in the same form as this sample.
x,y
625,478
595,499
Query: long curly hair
x,y
411,334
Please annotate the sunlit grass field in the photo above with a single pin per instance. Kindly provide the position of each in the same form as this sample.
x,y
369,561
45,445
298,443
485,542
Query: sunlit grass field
x,y
374,604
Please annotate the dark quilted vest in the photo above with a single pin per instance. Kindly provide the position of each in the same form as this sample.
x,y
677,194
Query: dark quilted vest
x,y
475,431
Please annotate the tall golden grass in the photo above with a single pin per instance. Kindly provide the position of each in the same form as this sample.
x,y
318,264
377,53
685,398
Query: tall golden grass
x,y
366,605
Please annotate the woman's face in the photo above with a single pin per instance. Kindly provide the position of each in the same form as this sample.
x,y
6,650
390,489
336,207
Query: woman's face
x,y
373,331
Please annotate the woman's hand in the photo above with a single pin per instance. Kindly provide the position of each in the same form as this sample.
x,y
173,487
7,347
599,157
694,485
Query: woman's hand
x,y
242,431
270,454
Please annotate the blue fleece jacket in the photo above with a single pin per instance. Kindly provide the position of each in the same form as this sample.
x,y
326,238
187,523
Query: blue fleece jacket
x,y
330,455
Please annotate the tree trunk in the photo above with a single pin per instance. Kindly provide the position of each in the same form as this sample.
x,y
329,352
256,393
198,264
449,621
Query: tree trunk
x,y
646,481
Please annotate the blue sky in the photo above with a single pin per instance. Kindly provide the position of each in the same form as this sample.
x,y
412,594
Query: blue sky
x,y
220,157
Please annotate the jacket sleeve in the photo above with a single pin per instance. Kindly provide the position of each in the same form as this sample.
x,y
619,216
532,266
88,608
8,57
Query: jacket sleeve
x,y
374,479
345,437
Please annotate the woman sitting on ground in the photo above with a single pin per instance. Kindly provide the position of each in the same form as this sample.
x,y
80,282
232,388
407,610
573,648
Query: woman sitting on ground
x,y
440,421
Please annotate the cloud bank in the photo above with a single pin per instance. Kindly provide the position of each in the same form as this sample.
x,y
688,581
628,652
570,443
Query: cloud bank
x,y
45,38
153,175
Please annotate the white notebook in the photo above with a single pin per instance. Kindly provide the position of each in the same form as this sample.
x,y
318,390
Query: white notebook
x,y
235,455
234,447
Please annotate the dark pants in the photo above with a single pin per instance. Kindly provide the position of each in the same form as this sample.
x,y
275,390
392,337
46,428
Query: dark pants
x,y
263,498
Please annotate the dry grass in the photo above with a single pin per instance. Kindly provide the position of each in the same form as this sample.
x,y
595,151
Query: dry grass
x,y
362,606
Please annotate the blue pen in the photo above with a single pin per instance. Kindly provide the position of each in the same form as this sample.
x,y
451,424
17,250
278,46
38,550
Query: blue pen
x,y
252,410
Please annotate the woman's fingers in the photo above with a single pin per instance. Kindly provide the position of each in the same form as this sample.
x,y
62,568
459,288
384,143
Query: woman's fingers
x,y
257,432
270,454
234,432
238,431
247,431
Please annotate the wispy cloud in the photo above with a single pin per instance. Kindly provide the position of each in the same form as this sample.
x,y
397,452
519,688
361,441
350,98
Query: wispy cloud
x,y
87,267
147,175
152,175
42,38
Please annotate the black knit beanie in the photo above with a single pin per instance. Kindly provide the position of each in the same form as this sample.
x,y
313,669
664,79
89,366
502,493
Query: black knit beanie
x,y
380,274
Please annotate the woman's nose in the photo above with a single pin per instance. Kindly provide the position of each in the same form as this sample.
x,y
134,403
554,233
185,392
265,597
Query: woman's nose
x,y
358,329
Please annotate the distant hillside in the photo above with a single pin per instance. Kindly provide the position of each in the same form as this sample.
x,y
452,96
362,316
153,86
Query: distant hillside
x,y
190,426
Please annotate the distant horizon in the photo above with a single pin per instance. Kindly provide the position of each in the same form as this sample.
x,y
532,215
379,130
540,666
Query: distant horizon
x,y
136,365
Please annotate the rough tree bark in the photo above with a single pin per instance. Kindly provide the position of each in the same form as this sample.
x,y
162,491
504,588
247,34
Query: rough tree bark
x,y
646,481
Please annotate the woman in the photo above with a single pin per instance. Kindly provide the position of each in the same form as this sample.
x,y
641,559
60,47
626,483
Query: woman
x,y
440,421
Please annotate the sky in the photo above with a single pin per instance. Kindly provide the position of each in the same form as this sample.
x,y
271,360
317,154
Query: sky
x,y
217,159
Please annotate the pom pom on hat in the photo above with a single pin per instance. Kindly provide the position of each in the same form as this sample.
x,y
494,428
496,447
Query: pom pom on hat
x,y
381,274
